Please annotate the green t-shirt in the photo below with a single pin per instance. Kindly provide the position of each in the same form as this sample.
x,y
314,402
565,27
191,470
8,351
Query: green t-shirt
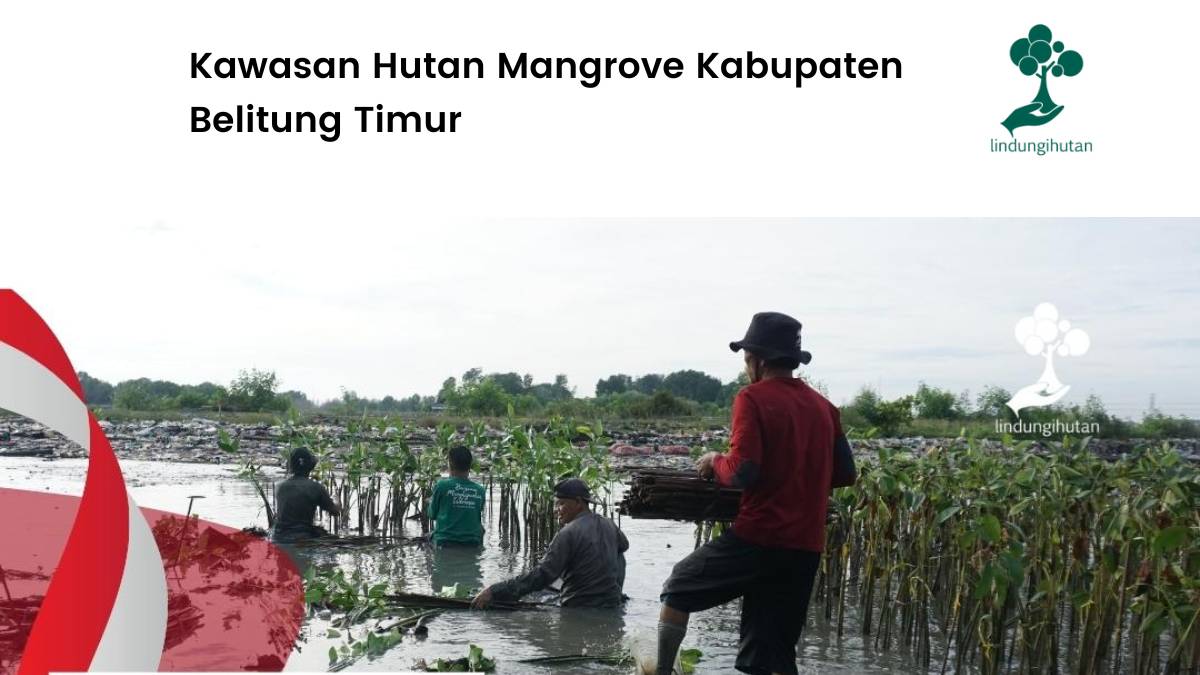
x,y
456,510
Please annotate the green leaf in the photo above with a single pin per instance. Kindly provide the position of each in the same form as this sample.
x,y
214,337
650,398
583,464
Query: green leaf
x,y
333,633
688,658
226,442
988,527
1153,623
984,586
947,513
1183,614
1080,598
333,655
477,662
1170,539
887,484
966,540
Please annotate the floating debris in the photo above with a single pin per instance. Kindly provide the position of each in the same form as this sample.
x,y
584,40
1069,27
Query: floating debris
x,y
473,662
441,602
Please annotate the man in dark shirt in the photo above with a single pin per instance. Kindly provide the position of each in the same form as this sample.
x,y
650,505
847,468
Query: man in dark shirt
x,y
787,450
297,500
588,553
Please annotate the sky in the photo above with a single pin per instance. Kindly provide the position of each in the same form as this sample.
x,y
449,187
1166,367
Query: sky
x,y
396,307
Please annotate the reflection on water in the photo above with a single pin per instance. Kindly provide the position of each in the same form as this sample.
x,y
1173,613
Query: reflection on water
x,y
450,565
505,636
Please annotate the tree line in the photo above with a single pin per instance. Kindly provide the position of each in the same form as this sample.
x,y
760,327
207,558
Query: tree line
x,y
251,391
680,393
932,404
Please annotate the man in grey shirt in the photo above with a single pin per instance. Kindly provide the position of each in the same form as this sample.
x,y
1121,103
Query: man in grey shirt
x,y
588,553
297,500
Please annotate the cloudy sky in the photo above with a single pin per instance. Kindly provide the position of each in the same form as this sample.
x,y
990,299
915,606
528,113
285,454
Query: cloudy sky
x,y
395,308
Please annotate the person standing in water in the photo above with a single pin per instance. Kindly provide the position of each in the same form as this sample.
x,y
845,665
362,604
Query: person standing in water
x,y
297,500
456,507
786,451
588,554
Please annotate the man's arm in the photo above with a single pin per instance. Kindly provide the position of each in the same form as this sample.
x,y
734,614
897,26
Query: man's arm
x,y
844,473
741,467
326,502
551,567
622,546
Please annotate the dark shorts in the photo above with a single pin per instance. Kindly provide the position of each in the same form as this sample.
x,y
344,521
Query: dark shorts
x,y
774,584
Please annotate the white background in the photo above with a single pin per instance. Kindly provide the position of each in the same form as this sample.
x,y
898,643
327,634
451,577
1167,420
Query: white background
x,y
97,98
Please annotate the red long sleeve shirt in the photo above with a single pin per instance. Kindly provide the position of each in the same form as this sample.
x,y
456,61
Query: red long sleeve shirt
x,y
782,446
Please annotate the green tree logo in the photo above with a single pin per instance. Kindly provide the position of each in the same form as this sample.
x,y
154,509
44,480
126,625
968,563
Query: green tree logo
x,y
1037,55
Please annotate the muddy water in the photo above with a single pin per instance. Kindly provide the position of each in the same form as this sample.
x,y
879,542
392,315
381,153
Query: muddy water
x,y
505,636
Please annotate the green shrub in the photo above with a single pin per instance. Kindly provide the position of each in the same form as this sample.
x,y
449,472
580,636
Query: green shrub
x,y
1158,425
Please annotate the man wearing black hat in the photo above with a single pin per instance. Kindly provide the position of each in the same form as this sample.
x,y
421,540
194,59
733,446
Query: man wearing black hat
x,y
588,553
786,451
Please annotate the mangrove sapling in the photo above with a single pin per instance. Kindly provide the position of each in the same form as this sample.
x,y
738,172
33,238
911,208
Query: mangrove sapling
x,y
1008,551
993,561
527,465
249,471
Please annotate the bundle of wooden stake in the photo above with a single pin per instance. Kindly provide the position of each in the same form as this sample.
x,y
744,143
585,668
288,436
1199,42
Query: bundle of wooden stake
x,y
665,494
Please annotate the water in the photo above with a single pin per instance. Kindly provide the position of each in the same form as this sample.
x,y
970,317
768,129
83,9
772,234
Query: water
x,y
504,636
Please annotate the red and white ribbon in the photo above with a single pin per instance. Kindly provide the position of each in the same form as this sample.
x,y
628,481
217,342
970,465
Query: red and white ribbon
x,y
106,606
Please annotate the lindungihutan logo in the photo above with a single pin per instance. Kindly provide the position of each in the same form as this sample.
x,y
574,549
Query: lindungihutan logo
x,y
1039,55
1046,334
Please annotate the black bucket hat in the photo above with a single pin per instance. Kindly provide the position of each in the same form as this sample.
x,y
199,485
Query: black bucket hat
x,y
772,336
573,488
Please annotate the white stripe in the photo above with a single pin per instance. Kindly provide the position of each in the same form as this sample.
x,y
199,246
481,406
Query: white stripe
x,y
29,389
137,627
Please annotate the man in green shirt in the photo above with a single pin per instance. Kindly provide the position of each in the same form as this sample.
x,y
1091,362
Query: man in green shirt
x,y
456,508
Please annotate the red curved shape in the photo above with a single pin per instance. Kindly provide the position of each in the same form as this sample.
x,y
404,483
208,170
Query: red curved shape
x,y
235,602
84,587
23,329
244,590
